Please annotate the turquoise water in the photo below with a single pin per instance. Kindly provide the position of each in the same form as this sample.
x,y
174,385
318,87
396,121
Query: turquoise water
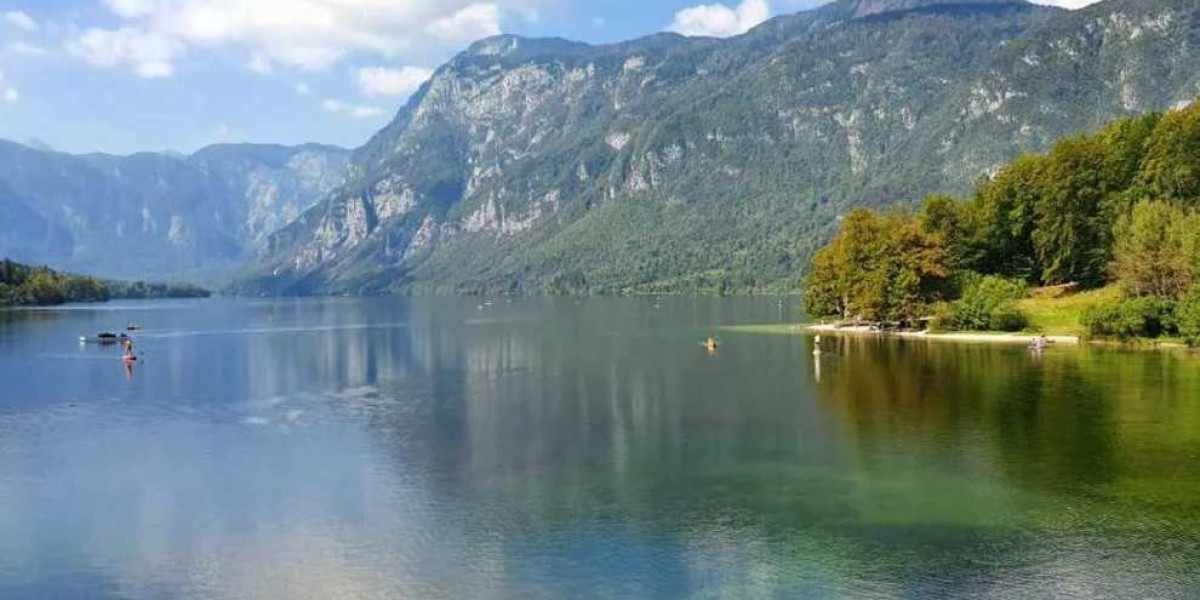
x,y
562,448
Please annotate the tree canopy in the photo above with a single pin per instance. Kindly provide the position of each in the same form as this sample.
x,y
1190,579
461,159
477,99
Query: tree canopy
x,y
25,285
881,267
21,284
1119,205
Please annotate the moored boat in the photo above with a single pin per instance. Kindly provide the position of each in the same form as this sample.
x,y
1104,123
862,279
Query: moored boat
x,y
104,337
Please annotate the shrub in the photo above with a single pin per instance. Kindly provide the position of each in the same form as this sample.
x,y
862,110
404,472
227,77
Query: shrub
x,y
1008,319
988,304
1188,316
1145,317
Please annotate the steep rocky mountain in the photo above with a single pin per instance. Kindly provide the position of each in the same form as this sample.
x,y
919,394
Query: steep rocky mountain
x,y
156,215
25,235
672,163
276,184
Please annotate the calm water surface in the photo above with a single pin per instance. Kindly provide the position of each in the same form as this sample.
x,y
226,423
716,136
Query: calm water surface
x,y
328,449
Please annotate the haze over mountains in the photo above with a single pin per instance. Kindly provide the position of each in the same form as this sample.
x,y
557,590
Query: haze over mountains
x,y
661,164
157,214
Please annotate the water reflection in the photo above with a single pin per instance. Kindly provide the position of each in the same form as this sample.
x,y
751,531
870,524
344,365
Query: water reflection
x,y
1097,425
555,448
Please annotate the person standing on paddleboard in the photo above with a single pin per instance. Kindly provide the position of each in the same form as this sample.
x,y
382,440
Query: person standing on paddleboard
x,y
129,355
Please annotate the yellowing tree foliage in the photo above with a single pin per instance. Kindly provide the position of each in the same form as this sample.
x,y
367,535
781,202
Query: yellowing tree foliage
x,y
1066,216
880,267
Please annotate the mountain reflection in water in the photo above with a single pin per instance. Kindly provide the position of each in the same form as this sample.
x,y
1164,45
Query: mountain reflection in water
x,y
554,448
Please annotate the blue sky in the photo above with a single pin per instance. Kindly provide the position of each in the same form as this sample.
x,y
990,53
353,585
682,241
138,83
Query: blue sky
x,y
128,75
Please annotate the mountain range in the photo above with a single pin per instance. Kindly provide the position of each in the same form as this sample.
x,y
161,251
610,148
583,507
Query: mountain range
x,y
157,214
661,164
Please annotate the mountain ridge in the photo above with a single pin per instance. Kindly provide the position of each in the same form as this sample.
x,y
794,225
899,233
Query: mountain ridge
x,y
396,198
155,214
866,8
663,163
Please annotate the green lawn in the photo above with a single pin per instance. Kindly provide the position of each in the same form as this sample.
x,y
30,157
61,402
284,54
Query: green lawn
x,y
1051,312
1048,313
1062,315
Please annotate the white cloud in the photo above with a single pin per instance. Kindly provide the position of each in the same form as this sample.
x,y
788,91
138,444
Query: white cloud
x,y
131,9
21,19
383,81
317,34
259,63
471,23
24,49
719,20
339,107
8,94
149,54
303,89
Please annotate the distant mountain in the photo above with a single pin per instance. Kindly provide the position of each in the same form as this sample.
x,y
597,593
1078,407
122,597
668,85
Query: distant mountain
x,y
156,214
275,183
672,163
38,144
26,235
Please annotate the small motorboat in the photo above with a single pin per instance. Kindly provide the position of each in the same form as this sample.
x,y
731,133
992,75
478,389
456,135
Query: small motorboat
x,y
104,338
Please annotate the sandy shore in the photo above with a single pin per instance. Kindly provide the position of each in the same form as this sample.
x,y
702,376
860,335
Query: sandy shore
x,y
986,338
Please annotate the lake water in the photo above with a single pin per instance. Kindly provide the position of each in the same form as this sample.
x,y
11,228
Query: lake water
x,y
562,448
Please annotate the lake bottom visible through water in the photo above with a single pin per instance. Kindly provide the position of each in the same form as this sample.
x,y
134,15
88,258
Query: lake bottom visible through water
x,y
580,448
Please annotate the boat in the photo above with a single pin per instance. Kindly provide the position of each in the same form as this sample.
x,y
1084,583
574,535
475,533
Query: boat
x,y
104,337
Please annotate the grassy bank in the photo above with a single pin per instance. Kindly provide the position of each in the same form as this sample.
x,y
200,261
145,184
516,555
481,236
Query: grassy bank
x,y
950,336
1054,312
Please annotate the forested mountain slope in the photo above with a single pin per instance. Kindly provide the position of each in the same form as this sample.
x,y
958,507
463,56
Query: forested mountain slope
x,y
671,163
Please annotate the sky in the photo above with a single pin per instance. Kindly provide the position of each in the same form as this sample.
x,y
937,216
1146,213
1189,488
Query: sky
x,y
122,76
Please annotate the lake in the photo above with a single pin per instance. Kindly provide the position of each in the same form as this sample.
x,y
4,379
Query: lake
x,y
580,448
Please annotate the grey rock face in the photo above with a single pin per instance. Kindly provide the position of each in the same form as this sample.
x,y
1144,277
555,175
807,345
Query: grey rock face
x,y
669,163
156,215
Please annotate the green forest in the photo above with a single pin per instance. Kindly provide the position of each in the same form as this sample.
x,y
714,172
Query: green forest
x,y
23,285
1117,208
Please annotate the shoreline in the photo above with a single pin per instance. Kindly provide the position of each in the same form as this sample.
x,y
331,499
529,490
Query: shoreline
x,y
969,337
960,336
